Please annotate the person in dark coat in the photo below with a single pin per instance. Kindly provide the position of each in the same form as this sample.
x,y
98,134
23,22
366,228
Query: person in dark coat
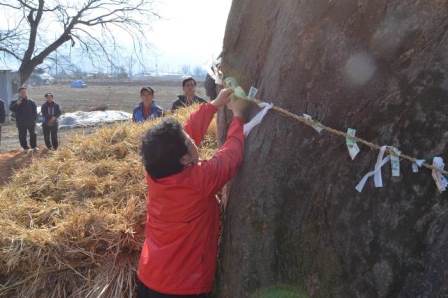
x,y
147,109
189,97
50,112
2,117
26,115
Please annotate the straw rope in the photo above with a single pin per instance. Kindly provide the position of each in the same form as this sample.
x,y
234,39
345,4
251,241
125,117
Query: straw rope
x,y
313,123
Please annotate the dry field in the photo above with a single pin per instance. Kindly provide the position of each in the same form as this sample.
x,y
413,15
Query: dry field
x,y
114,95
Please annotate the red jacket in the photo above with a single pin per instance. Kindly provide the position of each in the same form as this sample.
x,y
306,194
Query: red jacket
x,y
182,226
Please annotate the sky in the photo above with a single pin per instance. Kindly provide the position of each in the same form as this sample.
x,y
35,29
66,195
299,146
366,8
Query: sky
x,y
190,32
187,33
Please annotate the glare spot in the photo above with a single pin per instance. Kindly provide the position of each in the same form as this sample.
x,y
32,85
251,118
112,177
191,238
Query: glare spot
x,y
360,68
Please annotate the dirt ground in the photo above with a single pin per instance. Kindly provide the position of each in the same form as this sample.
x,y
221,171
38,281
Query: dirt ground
x,y
13,160
115,96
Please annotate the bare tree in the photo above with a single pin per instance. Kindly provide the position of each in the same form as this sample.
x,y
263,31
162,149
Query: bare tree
x,y
93,24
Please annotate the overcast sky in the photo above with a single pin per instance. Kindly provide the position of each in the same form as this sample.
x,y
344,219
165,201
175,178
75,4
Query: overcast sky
x,y
189,32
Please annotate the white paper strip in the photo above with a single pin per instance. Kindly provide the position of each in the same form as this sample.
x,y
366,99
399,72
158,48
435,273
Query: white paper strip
x,y
417,164
352,146
378,178
317,126
395,161
258,118
364,179
440,180
252,92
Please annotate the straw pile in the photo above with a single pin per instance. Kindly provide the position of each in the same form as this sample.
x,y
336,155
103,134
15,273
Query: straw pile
x,y
72,223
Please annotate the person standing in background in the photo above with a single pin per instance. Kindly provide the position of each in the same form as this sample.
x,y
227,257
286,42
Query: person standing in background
x,y
189,97
26,116
2,117
50,112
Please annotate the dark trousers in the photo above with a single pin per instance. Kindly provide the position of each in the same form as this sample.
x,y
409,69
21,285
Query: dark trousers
x,y
50,136
23,129
145,292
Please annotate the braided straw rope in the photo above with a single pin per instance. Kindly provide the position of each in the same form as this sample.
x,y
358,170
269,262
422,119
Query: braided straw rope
x,y
314,123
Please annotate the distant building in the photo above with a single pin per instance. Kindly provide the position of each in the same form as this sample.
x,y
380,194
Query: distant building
x,y
8,80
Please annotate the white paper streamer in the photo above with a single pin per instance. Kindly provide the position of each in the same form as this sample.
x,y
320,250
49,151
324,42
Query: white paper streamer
x,y
395,161
376,173
440,180
417,164
378,178
215,73
315,125
258,118
252,92
352,146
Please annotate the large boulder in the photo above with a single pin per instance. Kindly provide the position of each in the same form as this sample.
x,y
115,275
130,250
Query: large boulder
x,y
294,217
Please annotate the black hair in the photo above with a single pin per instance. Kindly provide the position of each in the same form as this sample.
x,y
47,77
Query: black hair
x,y
163,147
149,89
184,82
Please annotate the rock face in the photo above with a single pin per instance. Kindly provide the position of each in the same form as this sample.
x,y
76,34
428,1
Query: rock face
x,y
294,217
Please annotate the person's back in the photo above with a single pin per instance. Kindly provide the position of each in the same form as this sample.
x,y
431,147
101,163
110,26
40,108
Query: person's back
x,y
183,221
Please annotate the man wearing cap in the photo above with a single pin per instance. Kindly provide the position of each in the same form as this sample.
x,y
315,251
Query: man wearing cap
x,y
26,115
189,97
50,113
147,109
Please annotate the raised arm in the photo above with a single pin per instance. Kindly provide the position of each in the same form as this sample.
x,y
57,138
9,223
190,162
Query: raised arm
x,y
199,121
224,165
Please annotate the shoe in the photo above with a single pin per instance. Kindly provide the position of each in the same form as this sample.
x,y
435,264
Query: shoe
x,y
35,149
25,150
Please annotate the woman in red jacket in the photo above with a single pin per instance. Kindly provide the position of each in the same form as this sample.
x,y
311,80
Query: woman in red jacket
x,y
179,254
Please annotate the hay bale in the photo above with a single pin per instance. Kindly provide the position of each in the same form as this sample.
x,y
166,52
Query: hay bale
x,y
72,223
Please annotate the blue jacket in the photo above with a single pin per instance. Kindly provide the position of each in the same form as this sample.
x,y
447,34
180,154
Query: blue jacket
x,y
138,116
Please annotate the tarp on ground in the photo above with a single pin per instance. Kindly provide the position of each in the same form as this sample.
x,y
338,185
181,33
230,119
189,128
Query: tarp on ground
x,y
78,84
87,119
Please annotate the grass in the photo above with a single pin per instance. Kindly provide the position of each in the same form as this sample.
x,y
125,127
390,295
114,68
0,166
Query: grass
x,y
72,223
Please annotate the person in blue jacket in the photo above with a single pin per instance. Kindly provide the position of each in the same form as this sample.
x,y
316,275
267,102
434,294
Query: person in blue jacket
x,y
147,109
